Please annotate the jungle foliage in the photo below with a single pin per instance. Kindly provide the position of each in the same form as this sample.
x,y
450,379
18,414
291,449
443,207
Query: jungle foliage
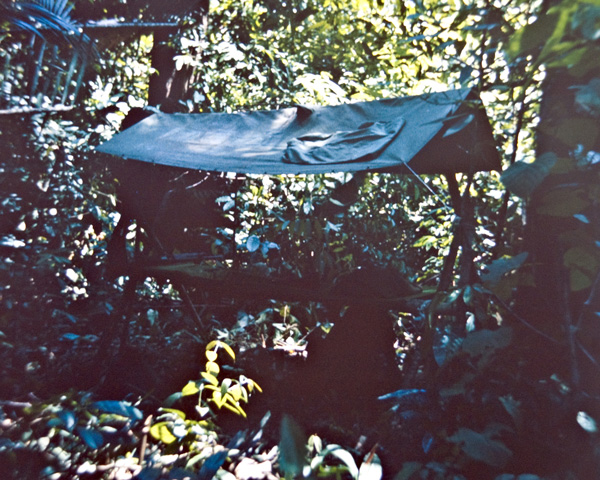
x,y
495,367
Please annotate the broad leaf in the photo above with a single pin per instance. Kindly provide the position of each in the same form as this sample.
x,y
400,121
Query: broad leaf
x,y
481,447
500,267
253,243
523,178
190,389
92,438
292,447
160,431
68,419
371,468
216,344
119,408
482,341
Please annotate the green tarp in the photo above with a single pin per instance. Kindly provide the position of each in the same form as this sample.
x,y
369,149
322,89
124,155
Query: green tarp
x,y
433,133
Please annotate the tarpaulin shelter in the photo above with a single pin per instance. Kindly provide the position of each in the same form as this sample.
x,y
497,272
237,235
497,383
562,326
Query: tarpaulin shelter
x,y
437,133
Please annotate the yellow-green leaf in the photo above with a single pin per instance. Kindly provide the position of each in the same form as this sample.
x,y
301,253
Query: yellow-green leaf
x,y
218,398
190,389
211,355
219,344
211,379
238,392
235,409
212,368
160,431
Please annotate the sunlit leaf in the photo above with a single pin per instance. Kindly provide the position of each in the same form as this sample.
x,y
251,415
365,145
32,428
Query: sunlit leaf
x,y
211,379
371,468
160,431
190,389
218,398
341,454
212,368
236,392
216,344
586,422
179,413
211,355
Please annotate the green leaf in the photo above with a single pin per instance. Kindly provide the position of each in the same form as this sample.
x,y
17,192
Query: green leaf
x,y
481,447
171,399
253,243
587,97
500,267
583,264
587,21
160,431
116,407
532,37
523,178
292,447
67,418
482,341
92,438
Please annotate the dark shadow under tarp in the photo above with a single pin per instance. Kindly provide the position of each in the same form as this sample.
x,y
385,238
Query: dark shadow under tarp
x,y
437,133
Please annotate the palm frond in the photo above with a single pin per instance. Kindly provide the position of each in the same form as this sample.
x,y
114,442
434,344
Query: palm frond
x,y
50,20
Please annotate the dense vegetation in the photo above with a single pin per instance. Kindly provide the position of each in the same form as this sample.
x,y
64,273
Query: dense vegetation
x,y
495,361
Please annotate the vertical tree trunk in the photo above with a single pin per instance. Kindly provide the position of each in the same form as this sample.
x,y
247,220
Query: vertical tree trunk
x,y
170,87
551,305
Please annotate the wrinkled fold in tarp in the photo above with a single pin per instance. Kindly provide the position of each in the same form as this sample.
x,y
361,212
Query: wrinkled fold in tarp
x,y
380,135
361,145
